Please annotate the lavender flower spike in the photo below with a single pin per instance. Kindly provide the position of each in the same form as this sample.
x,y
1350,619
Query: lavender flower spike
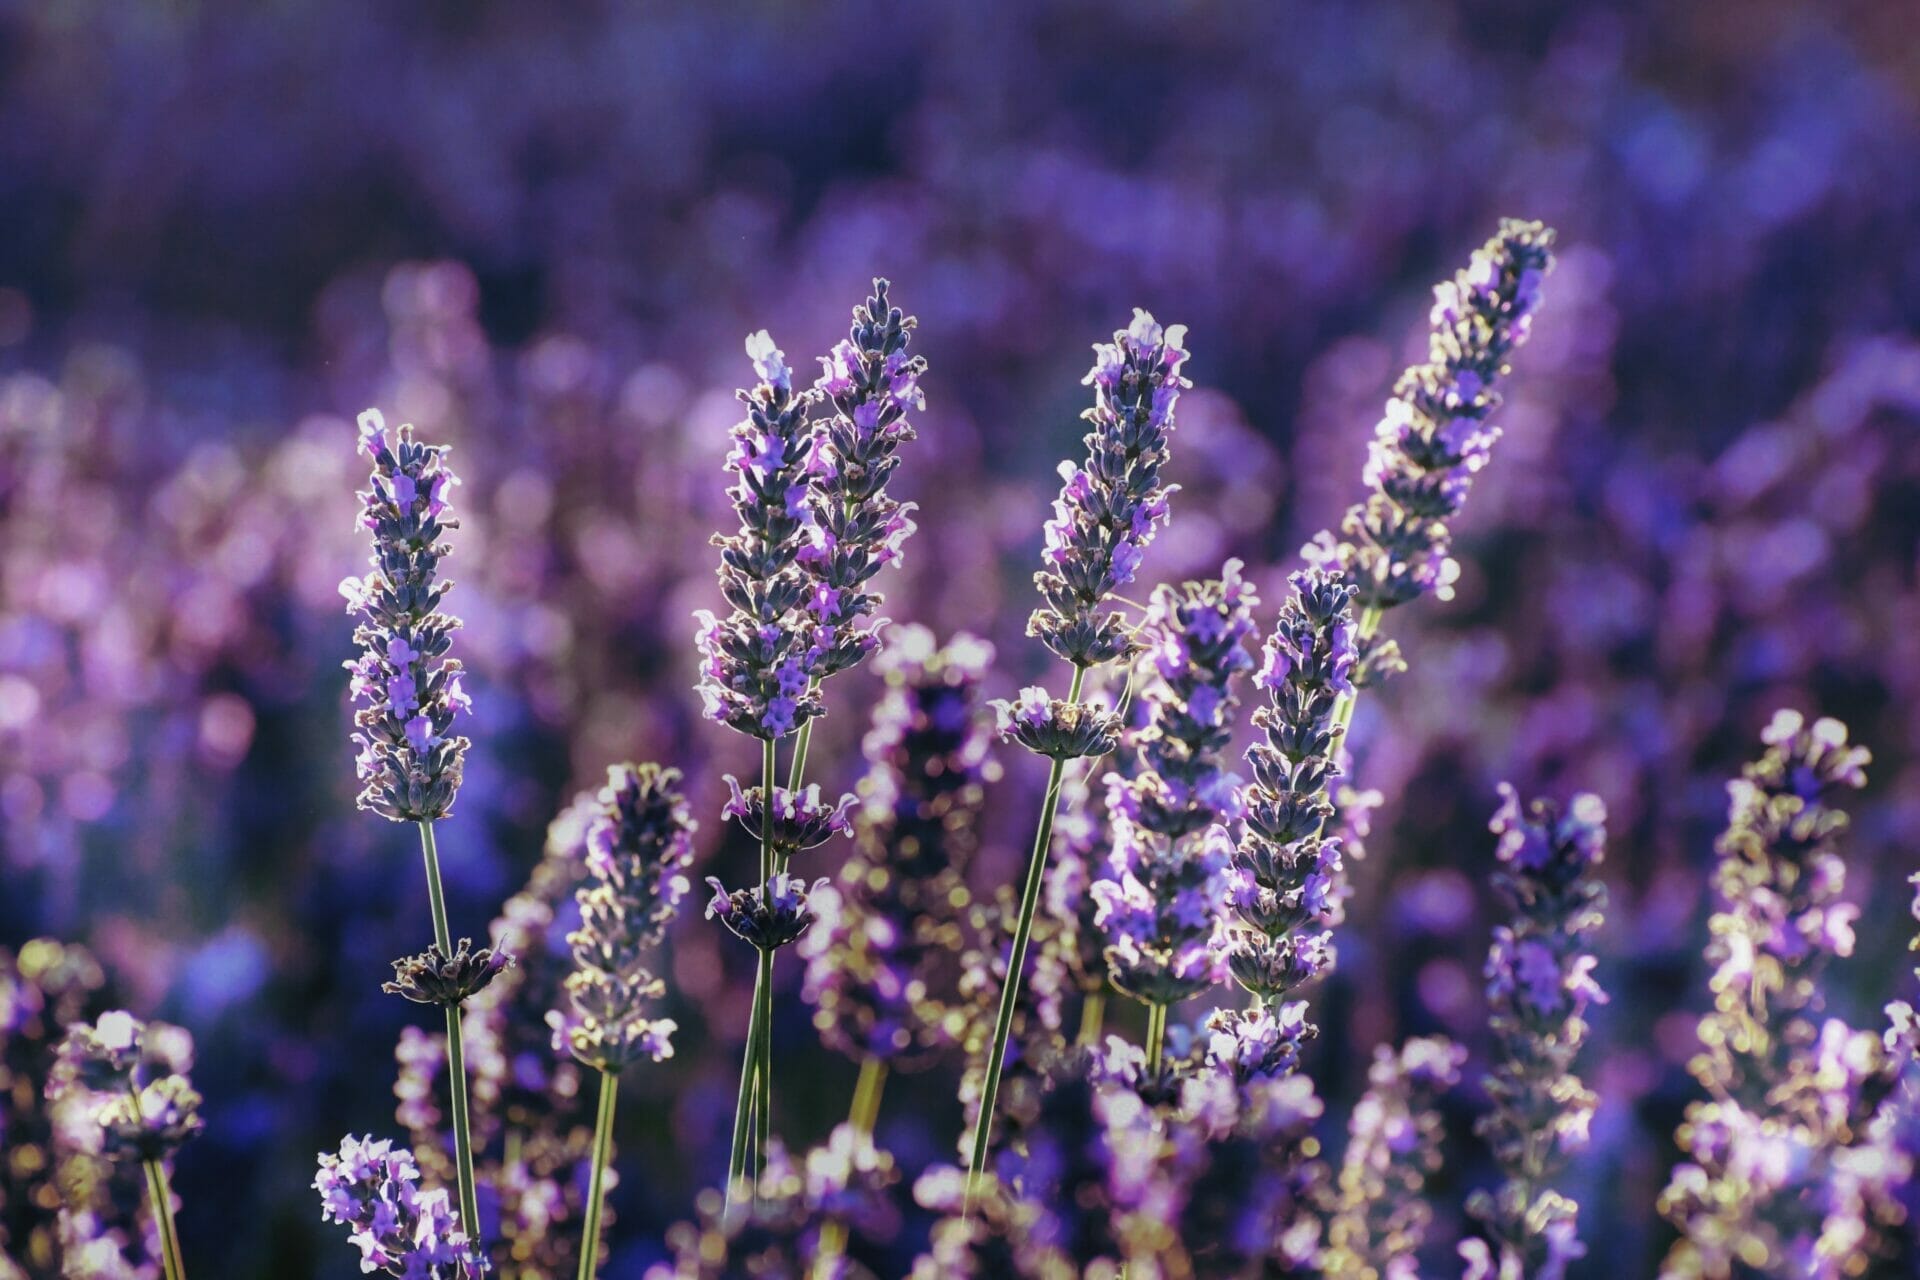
x,y
1108,509
1434,436
758,664
371,1188
1539,984
856,529
410,758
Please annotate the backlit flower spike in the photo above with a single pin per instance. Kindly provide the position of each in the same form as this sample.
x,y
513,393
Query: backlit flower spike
x,y
757,663
410,757
1396,545
870,382
1539,985
1793,1155
1163,912
372,1189
639,843
1110,506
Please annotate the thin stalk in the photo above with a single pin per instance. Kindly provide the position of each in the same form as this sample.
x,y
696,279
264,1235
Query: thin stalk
x,y
1156,1034
456,1058
763,1070
743,1108
1093,1013
597,1190
161,1194
1016,961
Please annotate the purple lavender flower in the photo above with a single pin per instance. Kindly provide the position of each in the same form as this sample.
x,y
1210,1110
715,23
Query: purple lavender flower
x,y
883,959
1108,509
757,664
1378,1217
801,819
1163,912
1539,984
856,528
434,977
768,917
638,846
1434,436
1787,1160
371,1189
1062,730
410,759
130,1078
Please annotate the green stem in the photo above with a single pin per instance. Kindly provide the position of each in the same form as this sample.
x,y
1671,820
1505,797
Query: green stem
x,y
865,1112
743,1108
1093,1014
597,1190
1016,961
763,1068
456,1058
161,1194
1156,1034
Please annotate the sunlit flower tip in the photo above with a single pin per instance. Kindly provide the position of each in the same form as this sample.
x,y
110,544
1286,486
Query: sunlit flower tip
x,y
153,1123
373,433
766,917
801,820
1274,967
372,1189
1053,727
434,977
769,362
1262,1042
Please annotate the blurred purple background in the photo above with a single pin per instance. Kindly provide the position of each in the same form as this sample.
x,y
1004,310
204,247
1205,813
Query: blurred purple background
x,y
541,232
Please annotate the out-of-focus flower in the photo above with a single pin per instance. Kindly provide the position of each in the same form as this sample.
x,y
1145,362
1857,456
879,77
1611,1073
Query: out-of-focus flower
x,y
371,1188
130,1078
410,760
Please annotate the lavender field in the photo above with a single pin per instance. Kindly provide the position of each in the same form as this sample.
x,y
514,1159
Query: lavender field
x,y
1008,640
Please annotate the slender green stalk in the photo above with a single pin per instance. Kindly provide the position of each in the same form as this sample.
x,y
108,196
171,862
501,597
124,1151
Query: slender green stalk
x,y
1363,632
456,1057
763,1069
752,1110
743,1108
1156,1034
597,1189
161,1194
1016,962
862,1115
1093,1014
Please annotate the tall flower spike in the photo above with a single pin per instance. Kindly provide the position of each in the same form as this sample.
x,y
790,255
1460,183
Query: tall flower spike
x,y
1108,509
1787,1162
1286,873
410,759
757,664
639,844
857,530
371,1188
1435,436
1539,984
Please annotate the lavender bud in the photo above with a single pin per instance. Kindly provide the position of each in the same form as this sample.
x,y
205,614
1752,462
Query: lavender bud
x,y
434,977
801,819
1108,509
766,917
1056,728
1163,912
410,760
371,1189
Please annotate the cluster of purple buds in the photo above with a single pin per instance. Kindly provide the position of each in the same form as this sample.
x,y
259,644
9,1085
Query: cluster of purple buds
x,y
1162,910
883,961
1286,872
131,1078
639,844
1108,509
766,916
801,819
1435,435
758,664
372,1189
1539,985
857,530
1378,1215
1798,1154
1056,728
410,759
434,977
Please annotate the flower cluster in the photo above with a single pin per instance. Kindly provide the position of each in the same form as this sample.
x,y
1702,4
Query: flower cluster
x,y
410,759
638,846
1786,1158
1108,509
1377,1217
766,916
131,1079
801,819
1056,728
857,529
883,963
1435,436
757,664
434,977
1539,984
1163,912
1286,872
371,1188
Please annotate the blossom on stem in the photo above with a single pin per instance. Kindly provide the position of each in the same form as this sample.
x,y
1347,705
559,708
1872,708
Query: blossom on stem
x,y
857,530
410,759
766,916
1434,436
1109,508
758,663
434,977
129,1078
1054,727
801,819
1539,984
639,844
371,1188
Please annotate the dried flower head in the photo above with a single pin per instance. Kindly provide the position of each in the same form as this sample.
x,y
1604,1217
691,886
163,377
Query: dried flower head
x,y
434,977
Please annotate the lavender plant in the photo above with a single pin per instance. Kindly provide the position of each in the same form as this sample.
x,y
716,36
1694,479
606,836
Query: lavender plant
x,y
1788,1173
372,1189
128,1081
638,844
1539,985
411,760
1104,519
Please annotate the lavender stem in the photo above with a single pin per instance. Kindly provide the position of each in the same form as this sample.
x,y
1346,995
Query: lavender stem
x,y
596,1192
456,1056
1156,1034
1093,1013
